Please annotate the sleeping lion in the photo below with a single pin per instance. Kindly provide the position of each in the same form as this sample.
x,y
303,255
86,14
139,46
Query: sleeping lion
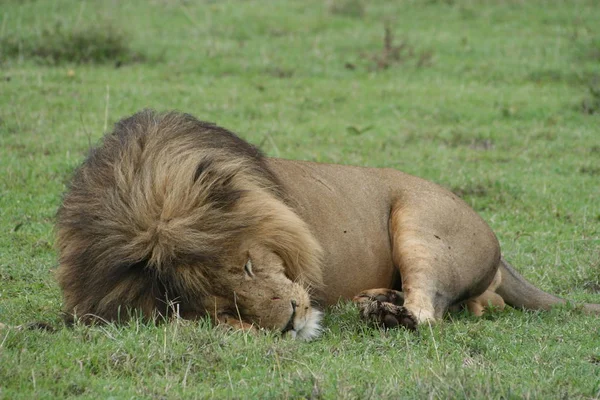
x,y
174,216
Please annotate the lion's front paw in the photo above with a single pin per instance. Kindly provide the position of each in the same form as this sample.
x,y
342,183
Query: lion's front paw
x,y
386,315
383,295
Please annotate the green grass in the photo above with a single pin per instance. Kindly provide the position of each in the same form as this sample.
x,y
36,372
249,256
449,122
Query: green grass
x,y
497,100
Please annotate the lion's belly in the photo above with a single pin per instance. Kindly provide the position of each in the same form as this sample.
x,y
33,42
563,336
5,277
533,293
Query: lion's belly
x,y
356,263
347,209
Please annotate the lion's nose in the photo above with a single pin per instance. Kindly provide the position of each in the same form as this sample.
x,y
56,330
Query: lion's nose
x,y
294,304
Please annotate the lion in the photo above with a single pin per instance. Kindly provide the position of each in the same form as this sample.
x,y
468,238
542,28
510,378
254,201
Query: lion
x,y
172,216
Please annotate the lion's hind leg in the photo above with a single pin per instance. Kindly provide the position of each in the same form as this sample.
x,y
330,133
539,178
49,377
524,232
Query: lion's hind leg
x,y
383,308
444,252
488,299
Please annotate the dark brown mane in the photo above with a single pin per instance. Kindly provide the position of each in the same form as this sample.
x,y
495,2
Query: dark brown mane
x,y
153,210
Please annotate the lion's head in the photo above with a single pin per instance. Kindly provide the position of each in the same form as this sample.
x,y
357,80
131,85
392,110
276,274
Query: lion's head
x,y
265,295
173,213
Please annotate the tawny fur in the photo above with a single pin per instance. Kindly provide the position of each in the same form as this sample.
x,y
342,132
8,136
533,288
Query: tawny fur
x,y
169,213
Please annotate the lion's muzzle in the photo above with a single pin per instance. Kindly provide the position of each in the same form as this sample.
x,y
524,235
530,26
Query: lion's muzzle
x,y
304,325
290,325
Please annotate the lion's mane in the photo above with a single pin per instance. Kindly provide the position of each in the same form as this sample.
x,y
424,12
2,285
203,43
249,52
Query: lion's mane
x,y
154,212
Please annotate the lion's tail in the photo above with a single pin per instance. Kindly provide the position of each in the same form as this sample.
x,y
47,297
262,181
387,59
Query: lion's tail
x,y
519,293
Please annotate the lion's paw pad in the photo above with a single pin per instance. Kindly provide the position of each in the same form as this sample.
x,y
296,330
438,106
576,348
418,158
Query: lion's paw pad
x,y
387,315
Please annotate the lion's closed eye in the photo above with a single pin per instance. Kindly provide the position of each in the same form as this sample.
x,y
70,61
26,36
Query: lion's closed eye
x,y
248,268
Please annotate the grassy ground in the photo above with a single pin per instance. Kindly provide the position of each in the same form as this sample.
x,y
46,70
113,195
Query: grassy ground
x,y
496,100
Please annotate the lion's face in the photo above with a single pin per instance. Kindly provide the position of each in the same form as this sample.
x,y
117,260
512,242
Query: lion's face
x,y
263,295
